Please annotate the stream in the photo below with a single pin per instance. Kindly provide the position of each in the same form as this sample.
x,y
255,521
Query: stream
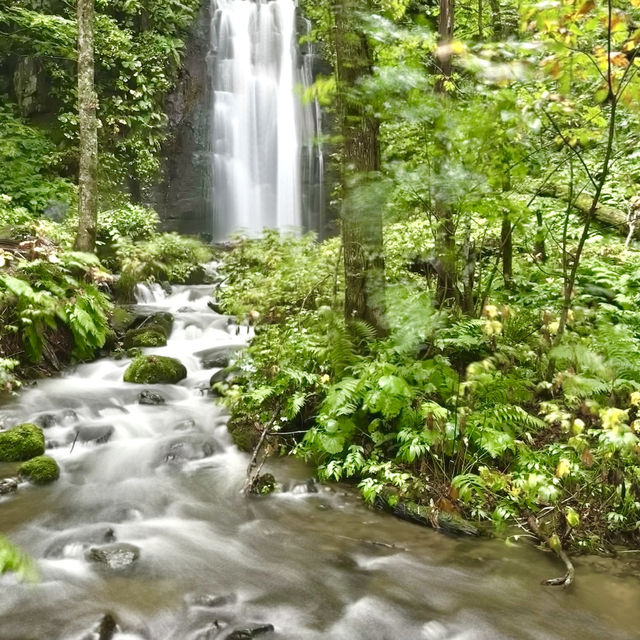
x,y
310,560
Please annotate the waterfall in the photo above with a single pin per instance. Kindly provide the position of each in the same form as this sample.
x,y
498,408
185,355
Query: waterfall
x,y
266,164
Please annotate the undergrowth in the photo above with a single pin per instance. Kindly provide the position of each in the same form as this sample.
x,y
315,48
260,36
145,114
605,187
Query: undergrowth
x,y
487,417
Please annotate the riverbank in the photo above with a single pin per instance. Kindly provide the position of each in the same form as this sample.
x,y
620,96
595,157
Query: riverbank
x,y
489,419
310,560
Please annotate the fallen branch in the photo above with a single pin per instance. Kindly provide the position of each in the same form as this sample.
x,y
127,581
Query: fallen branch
x,y
554,544
609,216
253,470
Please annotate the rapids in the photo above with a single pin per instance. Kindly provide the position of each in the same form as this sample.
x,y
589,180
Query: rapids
x,y
315,565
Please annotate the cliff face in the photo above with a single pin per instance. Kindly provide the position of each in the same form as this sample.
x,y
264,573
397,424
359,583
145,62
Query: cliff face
x,y
183,195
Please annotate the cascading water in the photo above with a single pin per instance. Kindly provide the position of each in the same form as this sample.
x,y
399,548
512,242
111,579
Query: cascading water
x,y
263,135
156,489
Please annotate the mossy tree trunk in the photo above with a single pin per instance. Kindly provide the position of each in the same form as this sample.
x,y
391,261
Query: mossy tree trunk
x,y
88,146
361,218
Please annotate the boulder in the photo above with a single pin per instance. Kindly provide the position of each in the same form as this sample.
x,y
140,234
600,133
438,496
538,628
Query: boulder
x,y
144,337
249,632
155,370
48,420
94,433
8,485
217,357
39,470
20,443
245,435
116,556
152,398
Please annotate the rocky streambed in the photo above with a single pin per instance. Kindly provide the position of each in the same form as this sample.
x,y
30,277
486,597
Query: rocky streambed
x,y
145,534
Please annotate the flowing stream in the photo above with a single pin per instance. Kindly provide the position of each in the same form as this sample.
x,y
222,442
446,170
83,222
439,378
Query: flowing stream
x,y
267,168
310,560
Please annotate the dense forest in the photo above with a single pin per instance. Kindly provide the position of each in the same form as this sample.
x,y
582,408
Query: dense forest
x,y
461,342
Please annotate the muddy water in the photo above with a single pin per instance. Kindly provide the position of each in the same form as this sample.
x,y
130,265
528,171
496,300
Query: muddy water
x,y
315,565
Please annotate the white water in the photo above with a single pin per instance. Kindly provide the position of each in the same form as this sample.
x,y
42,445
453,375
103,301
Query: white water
x,y
262,133
317,566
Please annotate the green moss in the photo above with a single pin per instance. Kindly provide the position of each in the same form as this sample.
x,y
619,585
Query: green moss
x,y
144,337
121,319
162,322
155,370
21,443
244,434
263,484
40,470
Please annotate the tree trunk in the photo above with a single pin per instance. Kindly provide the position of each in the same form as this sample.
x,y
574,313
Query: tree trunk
x,y
496,14
361,218
506,238
447,284
88,146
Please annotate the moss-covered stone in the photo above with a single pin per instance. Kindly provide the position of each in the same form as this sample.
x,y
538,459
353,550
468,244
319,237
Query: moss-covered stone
x,y
40,470
161,321
20,443
263,485
121,319
144,337
245,435
155,370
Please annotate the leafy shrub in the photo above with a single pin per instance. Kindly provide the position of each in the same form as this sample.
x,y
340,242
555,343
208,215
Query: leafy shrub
x,y
130,220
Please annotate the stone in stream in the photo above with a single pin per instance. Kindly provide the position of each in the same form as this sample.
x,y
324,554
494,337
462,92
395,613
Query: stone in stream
x,y
150,398
155,370
209,601
22,442
263,484
217,356
48,420
39,470
249,632
144,337
94,433
116,556
8,485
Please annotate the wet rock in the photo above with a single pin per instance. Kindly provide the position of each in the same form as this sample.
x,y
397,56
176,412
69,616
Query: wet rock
x,y
224,376
249,632
155,370
185,425
144,337
116,556
197,275
85,537
99,434
8,485
48,420
39,470
193,447
20,443
150,398
122,319
309,486
107,627
215,307
217,356
244,435
263,485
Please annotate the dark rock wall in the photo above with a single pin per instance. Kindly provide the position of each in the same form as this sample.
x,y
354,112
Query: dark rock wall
x,y
183,195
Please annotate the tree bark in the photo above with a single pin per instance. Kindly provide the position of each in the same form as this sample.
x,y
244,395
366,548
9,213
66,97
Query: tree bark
x,y
88,144
447,282
506,237
496,14
361,218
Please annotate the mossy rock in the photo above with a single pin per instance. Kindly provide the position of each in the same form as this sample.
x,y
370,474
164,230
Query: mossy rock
x,y
263,485
40,470
20,443
121,319
155,370
161,321
244,434
144,337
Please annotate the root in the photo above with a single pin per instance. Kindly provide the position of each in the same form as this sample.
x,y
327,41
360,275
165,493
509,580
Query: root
x,y
555,544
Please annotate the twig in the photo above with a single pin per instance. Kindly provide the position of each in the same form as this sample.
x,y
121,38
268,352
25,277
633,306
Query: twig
x,y
561,581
